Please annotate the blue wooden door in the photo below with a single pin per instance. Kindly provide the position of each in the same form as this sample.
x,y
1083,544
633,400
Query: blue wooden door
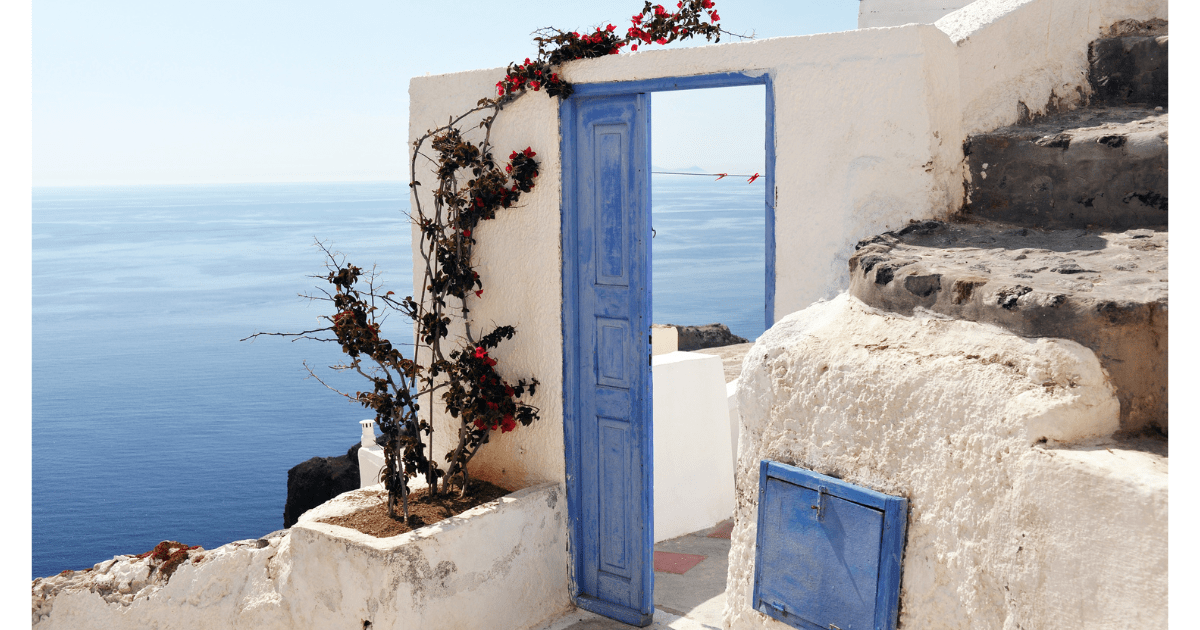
x,y
606,327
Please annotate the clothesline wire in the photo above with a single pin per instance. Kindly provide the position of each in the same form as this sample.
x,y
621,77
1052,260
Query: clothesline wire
x,y
719,176
704,174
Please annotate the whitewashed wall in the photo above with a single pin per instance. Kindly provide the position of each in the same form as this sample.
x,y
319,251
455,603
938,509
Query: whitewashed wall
x,y
693,474
877,13
867,138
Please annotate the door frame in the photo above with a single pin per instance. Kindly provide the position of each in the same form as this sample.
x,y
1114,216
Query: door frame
x,y
570,287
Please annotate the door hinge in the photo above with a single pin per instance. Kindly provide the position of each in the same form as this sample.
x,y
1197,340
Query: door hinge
x,y
820,506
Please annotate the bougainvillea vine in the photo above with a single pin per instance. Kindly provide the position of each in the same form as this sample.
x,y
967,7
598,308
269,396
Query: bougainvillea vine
x,y
472,186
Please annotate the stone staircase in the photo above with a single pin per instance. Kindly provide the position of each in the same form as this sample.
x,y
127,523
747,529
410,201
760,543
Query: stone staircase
x,y
1064,233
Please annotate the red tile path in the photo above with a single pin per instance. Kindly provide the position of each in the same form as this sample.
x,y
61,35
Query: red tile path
x,y
678,563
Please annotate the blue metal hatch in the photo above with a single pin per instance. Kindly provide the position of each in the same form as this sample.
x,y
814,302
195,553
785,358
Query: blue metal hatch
x,y
828,552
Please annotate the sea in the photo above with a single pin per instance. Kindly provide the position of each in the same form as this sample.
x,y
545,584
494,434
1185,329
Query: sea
x,y
153,418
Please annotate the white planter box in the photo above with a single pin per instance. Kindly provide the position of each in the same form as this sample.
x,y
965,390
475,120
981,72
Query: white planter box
x,y
501,565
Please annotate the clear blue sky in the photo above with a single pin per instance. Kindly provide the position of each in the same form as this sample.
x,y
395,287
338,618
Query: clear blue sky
x,y
131,92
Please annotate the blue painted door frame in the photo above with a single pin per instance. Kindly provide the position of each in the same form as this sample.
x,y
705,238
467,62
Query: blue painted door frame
x,y
608,428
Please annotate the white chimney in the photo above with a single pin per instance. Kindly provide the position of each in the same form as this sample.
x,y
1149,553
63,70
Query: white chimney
x,y
368,432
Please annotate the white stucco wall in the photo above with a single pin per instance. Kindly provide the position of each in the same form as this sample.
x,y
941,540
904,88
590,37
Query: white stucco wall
x,y
502,565
866,139
1008,526
876,13
693,474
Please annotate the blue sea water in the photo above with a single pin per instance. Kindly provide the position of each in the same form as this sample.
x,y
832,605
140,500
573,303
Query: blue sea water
x,y
152,421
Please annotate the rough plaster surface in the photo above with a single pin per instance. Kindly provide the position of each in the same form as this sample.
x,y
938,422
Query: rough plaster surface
x,y
1005,530
1105,290
500,565
693,474
1023,58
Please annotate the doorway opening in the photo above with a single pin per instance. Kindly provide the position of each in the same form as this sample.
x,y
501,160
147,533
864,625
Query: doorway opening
x,y
612,438
709,281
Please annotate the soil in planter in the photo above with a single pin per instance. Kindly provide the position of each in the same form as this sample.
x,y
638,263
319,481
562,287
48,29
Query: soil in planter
x,y
423,510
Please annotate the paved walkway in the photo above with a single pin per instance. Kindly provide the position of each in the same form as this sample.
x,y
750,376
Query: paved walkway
x,y
689,585
731,358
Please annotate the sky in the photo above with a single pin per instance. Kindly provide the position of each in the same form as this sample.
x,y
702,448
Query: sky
x,y
132,92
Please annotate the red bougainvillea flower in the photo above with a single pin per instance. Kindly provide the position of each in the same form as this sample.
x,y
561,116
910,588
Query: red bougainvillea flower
x,y
752,178
535,85
491,405
508,391
610,28
637,19
529,152
660,40
480,353
633,47
715,17
467,233
490,361
707,4
659,10
680,5
479,293
508,424
479,423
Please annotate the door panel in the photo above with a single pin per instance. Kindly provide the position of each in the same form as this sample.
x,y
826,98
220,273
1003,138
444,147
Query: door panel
x,y
606,325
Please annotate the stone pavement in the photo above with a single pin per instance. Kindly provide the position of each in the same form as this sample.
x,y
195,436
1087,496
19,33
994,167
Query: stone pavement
x,y
689,585
731,358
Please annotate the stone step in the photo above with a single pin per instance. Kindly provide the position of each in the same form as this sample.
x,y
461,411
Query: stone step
x,y
1106,290
1129,69
1102,167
